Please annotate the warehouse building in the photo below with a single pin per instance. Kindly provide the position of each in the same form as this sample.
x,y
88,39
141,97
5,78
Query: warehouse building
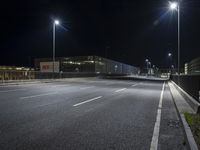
x,y
193,67
89,64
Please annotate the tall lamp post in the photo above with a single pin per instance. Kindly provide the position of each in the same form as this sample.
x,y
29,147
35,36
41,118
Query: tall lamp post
x,y
147,61
56,22
176,6
170,61
150,67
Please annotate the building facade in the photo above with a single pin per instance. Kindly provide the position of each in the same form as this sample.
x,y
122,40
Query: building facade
x,y
90,64
193,67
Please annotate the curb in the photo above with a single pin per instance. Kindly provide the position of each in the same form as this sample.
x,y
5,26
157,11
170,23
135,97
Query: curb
x,y
23,82
188,133
190,142
19,82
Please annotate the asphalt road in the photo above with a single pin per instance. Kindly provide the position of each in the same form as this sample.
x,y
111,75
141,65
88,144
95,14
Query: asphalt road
x,y
82,114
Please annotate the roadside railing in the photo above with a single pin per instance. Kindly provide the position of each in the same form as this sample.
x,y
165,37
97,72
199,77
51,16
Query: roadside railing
x,y
9,75
189,83
16,75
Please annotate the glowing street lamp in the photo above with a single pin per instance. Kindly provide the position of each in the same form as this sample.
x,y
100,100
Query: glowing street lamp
x,y
170,61
56,22
176,6
149,66
169,54
173,5
147,61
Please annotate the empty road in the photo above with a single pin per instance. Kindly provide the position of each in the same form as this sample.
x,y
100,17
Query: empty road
x,y
83,114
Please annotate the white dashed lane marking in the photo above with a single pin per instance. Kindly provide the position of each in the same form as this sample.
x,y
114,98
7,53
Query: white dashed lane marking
x,y
87,101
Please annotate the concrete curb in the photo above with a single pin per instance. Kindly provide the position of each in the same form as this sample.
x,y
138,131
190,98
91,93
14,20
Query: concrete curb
x,y
190,100
135,78
190,142
188,133
19,82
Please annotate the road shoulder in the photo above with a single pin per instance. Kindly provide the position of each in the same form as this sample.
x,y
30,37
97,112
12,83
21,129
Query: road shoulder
x,y
182,106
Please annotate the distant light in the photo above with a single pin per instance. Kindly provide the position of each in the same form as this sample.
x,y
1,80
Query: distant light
x,y
173,5
169,54
56,22
146,60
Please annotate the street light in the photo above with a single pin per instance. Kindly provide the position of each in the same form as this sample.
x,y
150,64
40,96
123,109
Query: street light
x,y
176,6
56,22
149,66
170,60
147,61
173,5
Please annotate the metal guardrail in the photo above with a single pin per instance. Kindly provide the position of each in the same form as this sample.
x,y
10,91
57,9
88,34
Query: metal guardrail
x,y
189,83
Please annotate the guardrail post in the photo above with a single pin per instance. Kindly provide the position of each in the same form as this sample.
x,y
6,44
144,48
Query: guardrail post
x,y
199,96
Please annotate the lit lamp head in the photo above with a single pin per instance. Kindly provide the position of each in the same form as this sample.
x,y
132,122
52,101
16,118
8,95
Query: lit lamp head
x,y
56,22
173,5
169,54
146,60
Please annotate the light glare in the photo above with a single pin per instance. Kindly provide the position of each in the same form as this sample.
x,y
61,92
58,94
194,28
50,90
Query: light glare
x,y
56,22
173,5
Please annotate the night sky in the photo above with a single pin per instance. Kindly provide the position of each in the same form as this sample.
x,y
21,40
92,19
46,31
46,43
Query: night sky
x,y
125,30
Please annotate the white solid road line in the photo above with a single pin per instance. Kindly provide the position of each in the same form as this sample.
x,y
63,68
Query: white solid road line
x,y
154,141
88,87
120,90
136,84
87,101
33,96
12,90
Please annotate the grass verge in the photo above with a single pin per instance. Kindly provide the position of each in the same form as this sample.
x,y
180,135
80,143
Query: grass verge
x,y
193,121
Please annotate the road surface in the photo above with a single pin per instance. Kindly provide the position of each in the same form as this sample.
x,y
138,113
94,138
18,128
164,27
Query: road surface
x,y
82,114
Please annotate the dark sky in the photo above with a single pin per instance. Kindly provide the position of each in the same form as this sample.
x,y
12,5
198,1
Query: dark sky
x,y
125,30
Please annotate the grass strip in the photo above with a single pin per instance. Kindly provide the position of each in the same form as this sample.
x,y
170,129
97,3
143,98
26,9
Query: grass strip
x,y
193,121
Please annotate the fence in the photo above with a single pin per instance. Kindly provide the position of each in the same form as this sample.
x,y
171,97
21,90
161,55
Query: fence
x,y
28,75
7,75
16,75
189,83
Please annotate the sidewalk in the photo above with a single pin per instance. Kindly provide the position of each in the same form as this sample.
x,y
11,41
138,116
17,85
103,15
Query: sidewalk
x,y
171,136
183,107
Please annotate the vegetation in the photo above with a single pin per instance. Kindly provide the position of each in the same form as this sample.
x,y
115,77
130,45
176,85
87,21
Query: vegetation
x,y
194,123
